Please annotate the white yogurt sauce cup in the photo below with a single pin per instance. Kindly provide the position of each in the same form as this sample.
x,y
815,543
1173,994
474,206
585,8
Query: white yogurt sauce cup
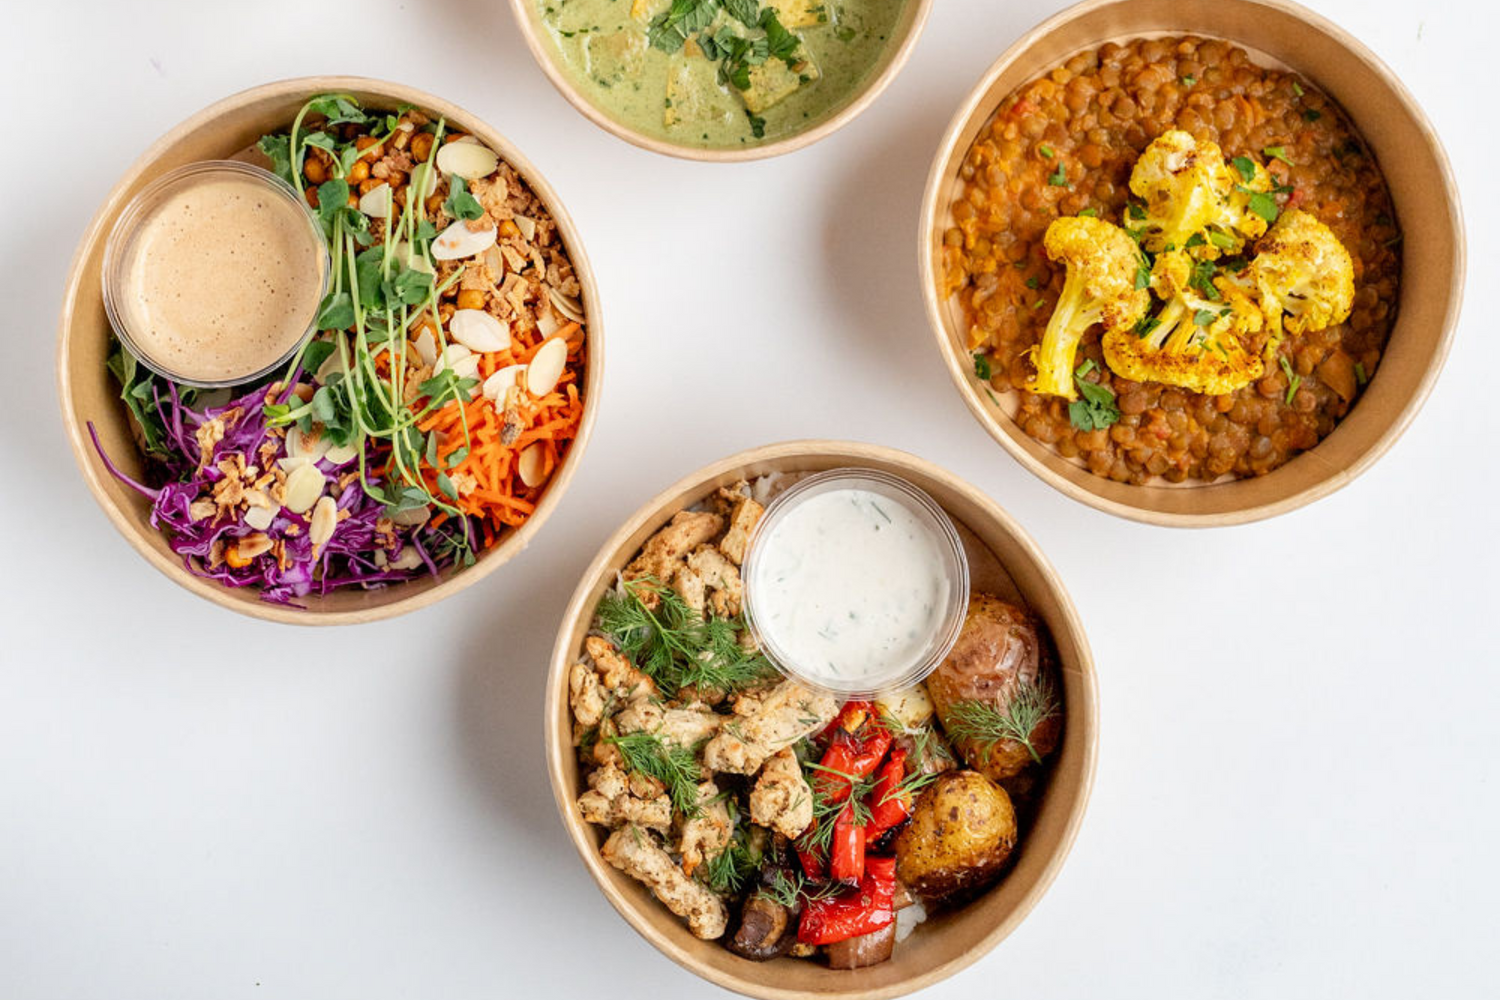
x,y
855,582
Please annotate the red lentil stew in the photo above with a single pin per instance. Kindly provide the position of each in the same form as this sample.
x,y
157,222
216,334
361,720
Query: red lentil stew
x,y
1066,145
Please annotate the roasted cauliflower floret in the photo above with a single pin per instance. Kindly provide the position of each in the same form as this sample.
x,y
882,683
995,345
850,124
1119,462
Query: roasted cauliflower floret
x,y
1303,276
1206,337
1196,201
1102,287
1183,183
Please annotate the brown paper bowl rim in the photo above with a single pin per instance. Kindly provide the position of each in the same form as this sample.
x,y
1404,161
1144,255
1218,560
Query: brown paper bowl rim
x,y
664,934
1004,430
97,477
866,94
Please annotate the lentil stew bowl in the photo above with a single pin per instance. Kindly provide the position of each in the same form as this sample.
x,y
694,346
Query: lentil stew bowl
x,y
1054,128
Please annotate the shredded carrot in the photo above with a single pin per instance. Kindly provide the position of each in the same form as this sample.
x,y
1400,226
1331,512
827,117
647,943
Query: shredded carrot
x,y
488,479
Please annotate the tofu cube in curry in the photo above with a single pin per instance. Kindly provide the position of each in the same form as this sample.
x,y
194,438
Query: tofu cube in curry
x,y
773,81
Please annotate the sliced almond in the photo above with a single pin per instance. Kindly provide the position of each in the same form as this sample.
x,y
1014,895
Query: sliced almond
x,y
547,367
567,305
459,241
411,517
479,331
426,345
376,202
496,385
312,445
320,527
409,558
333,364
406,254
291,462
340,454
469,160
252,546
530,465
424,179
546,322
526,225
260,518
304,485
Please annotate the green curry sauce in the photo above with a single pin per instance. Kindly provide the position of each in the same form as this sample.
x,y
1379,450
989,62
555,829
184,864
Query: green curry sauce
x,y
719,73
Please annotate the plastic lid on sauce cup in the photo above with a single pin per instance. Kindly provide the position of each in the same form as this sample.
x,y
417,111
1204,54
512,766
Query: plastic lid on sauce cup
x,y
953,571
122,248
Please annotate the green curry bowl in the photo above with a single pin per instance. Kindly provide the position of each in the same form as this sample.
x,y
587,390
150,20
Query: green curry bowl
x,y
721,80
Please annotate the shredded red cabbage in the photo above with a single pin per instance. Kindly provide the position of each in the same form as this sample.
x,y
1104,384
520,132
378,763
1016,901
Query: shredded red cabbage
x,y
356,555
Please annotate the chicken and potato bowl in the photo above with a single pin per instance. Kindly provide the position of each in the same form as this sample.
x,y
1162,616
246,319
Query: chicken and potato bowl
x,y
1171,263
774,817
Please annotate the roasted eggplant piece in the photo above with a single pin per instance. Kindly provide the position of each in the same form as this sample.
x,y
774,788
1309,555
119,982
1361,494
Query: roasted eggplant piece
x,y
865,949
767,929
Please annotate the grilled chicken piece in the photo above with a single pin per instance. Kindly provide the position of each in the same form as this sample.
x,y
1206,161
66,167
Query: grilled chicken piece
x,y
615,799
633,851
785,715
782,799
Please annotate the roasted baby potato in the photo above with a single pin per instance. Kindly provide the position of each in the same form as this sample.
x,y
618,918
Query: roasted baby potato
x,y
995,692
962,831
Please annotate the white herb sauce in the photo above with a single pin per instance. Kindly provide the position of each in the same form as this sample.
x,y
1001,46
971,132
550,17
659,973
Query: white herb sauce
x,y
850,586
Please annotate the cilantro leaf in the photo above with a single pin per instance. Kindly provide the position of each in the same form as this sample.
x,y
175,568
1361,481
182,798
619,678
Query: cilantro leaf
x,y
982,366
1246,167
1096,410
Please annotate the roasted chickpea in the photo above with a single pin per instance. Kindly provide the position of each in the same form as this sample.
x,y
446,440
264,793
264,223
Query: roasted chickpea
x,y
359,171
421,146
368,146
315,170
471,298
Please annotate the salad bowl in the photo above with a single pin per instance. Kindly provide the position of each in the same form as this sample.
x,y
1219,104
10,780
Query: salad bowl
x,y
90,397
1003,560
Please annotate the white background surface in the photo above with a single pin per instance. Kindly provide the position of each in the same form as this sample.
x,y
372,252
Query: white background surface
x,y
1295,793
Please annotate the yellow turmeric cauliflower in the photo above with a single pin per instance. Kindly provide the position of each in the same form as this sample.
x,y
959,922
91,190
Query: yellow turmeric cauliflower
x,y
1102,286
1303,274
1206,337
1194,200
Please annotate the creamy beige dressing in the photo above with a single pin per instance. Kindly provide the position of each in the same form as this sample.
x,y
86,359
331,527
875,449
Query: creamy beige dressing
x,y
221,279
850,586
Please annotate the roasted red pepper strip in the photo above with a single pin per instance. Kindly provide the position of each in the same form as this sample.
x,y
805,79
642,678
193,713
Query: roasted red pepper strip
x,y
865,908
848,861
850,718
888,806
851,756
813,865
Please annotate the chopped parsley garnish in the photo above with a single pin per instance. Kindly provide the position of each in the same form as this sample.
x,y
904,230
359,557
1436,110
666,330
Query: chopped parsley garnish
x,y
1293,380
1359,373
1276,153
1060,178
982,365
1261,203
1032,282
1189,81
1091,213
1046,151
1246,167
1096,410
1202,279
1297,88
757,125
1311,115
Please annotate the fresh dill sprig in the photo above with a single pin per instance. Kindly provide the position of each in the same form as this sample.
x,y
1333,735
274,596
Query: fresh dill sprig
x,y
674,644
726,872
1033,703
826,810
789,889
674,766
